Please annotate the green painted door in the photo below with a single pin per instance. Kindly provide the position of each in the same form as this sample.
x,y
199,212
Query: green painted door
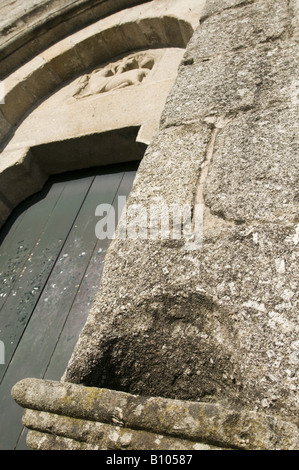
x,y
50,269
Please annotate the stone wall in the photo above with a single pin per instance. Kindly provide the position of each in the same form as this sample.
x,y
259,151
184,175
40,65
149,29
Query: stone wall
x,y
216,325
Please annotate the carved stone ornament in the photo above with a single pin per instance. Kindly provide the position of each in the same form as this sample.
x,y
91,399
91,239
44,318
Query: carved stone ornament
x,y
129,71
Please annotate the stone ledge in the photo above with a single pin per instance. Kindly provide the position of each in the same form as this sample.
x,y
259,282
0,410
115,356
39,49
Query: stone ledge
x,y
66,412
50,431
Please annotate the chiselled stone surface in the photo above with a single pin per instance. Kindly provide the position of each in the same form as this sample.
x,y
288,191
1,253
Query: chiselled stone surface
x,y
245,27
216,6
130,71
294,6
176,157
255,170
254,91
260,77
229,308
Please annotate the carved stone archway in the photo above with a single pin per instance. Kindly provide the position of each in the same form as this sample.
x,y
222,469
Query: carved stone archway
x,y
28,27
164,28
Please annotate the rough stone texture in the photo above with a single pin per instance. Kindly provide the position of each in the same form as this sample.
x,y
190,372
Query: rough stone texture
x,y
217,324
233,183
213,331
4,127
216,6
76,417
60,432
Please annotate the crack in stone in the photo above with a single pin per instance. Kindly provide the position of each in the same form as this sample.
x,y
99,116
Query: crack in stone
x,y
210,220
218,220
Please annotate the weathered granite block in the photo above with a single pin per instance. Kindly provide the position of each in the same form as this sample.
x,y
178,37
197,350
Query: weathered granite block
x,y
229,307
254,78
216,6
243,27
255,168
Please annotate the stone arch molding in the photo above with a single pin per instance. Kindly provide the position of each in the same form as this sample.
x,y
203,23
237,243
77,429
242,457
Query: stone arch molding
x,y
109,78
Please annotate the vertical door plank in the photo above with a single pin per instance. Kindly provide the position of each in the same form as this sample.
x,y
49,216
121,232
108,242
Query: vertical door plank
x,y
15,316
21,301
42,331
86,292
64,268
19,243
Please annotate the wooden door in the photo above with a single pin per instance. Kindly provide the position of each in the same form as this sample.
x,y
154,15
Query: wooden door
x,y
50,269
